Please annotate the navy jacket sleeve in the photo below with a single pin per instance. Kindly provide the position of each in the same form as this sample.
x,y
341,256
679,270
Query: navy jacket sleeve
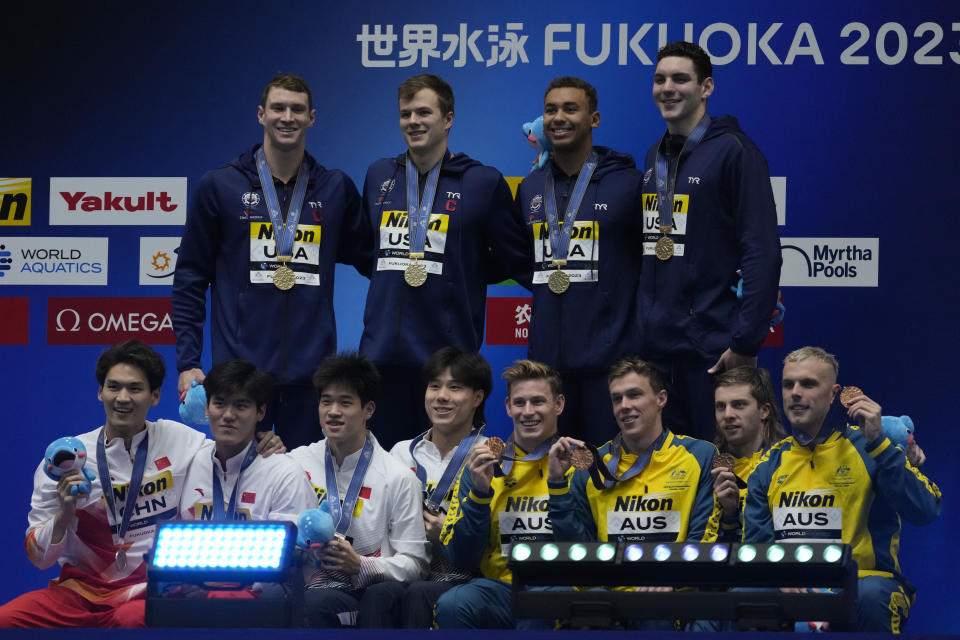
x,y
759,241
196,265
908,491
704,518
570,513
757,519
511,252
355,245
466,529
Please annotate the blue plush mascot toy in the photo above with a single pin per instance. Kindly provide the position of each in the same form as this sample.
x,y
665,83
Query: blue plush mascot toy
x,y
193,405
67,454
537,141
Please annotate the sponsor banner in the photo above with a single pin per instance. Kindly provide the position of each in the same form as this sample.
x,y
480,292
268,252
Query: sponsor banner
x,y
108,320
14,320
830,262
508,320
32,261
15,196
118,201
158,257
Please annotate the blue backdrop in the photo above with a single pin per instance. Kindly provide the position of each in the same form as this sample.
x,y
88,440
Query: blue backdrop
x,y
851,105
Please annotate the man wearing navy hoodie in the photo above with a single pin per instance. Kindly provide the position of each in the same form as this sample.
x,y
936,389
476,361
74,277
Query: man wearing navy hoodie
x,y
584,221
444,227
709,219
263,233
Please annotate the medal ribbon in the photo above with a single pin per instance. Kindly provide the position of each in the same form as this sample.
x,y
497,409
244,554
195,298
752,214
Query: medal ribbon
x,y
643,459
231,513
284,231
560,236
344,515
418,211
667,183
136,479
536,454
450,473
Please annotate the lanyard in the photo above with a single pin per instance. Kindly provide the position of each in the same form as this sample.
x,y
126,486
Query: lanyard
x,y
418,211
343,515
538,453
667,183
560,235
231,513
136,479
284,230
643,459
450,473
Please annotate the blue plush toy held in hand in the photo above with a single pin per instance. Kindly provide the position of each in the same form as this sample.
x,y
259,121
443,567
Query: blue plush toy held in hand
x,y
67,454
537,141
193,405
314,529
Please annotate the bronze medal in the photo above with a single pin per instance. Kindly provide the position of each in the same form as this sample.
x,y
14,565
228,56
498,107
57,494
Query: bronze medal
x,y
284,278
849,394
724,460
664,248
496,446
581,459
558,282
415,274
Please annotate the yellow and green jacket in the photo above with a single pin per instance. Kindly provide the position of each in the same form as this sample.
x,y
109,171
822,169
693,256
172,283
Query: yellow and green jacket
x,y
670,500
479,529
842,489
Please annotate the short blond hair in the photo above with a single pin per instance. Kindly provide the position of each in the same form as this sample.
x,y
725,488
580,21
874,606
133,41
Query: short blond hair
x,y
817,353
522,370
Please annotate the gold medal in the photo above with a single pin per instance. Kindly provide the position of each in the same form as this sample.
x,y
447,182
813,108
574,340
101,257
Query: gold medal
x,y
284,278
415,274
664,248
559,281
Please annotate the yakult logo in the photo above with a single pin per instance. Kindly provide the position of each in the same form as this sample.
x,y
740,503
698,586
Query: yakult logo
x,y
108,320
119,201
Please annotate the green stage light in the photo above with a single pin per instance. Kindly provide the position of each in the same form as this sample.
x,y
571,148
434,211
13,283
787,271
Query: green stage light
x,y
520,552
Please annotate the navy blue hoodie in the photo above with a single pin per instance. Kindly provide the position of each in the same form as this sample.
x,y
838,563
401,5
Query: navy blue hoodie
x,y
476,238
592,324
284,332
685,304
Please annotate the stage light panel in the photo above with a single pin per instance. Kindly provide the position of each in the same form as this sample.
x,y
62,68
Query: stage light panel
x,y
198,551
633,553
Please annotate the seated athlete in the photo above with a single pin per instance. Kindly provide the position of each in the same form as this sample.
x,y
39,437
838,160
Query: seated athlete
x,y
229,480
841,483
457,385
99,539
748,423
501,499
640,498
374,499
